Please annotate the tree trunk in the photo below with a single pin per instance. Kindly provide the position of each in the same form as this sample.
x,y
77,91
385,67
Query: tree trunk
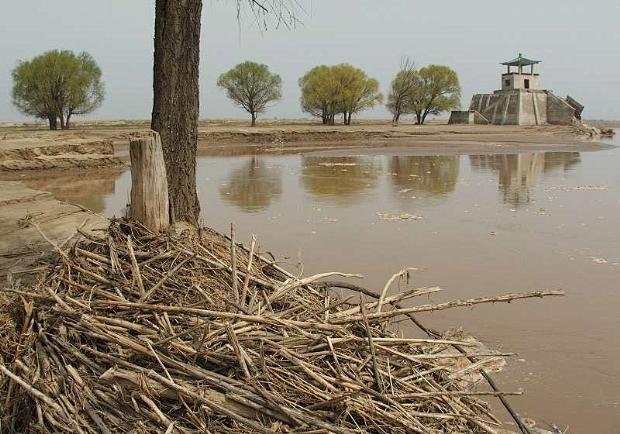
x,y
62,122
53,122
253,119
149,186
67,121
175,99
349,119
418,116
424,117
395,119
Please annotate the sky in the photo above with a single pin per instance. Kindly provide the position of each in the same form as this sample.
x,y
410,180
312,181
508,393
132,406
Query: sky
x,y
578,43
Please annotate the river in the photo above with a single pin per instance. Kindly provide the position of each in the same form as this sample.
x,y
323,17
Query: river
x,y
490,224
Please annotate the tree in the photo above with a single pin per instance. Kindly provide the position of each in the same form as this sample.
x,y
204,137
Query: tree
x,y
436,90
175,91
401,90
252,87
319,93
175,100
327,90
57,85
85,89
357,92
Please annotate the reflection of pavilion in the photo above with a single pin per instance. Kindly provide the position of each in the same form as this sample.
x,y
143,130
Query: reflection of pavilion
x,y
252,186
519,173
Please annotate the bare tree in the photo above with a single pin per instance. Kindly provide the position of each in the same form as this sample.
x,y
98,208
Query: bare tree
x,y
401,89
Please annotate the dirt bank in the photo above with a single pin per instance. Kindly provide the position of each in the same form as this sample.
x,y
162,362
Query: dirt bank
x,y
103,144
58,156
21,244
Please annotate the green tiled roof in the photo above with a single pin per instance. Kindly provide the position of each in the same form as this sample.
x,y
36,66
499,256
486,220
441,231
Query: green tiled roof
x,y
520,61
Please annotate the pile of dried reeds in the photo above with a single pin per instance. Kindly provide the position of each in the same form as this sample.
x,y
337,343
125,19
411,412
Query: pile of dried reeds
x,y
138,332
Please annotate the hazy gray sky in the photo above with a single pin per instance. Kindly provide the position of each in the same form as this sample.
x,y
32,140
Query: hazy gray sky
x,y
578,42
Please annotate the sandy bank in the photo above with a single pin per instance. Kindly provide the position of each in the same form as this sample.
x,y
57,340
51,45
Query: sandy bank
x,y
104,144
35,156
21,244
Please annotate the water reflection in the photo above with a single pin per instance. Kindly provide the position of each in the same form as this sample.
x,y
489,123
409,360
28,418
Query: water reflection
x,y
519,173
253,186
432,175
89,191
339,179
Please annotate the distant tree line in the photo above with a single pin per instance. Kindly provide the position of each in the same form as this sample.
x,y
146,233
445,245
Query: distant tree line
x,y
60,84
330,91
56,86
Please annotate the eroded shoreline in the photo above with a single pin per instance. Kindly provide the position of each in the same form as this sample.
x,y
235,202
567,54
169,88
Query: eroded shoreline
x,y
104,145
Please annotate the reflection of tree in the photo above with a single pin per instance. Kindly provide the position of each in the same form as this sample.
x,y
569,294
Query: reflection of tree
x,y
518,173
89,191
253,186
436,175
339,179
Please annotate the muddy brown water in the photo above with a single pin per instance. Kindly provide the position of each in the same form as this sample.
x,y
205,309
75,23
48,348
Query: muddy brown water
x,y
491,224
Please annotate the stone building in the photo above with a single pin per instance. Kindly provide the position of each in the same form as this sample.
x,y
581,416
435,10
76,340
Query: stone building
x,y
520,101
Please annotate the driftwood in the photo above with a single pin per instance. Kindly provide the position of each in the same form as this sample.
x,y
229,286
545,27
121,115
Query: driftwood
x,y
144,332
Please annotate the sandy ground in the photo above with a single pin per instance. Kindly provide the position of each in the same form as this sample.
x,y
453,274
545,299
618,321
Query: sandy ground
x,y
21,244
102,144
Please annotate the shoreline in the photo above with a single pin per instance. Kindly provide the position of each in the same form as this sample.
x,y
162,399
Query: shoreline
x,y
95,146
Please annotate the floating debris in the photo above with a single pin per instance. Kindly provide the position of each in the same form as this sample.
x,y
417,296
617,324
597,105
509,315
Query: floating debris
x,y
337,164
402,216
579,188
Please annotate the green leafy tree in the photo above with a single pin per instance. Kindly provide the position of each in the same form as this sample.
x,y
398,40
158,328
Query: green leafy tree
x,y
57,85
436,89
252,87
319,93
329,90
401,90
357,92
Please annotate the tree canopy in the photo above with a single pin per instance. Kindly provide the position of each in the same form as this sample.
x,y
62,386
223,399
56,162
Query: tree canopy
x,y
430,90
437,90
343,88
57,85
252,87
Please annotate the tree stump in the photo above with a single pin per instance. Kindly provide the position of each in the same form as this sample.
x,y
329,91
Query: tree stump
x,y
149,183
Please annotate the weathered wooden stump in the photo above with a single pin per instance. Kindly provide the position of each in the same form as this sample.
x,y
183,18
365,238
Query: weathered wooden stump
x,y
149,183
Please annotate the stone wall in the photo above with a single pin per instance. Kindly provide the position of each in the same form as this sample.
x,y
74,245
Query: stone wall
x,y
559,111
515,81
533,108
461,117
468,117
521,107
